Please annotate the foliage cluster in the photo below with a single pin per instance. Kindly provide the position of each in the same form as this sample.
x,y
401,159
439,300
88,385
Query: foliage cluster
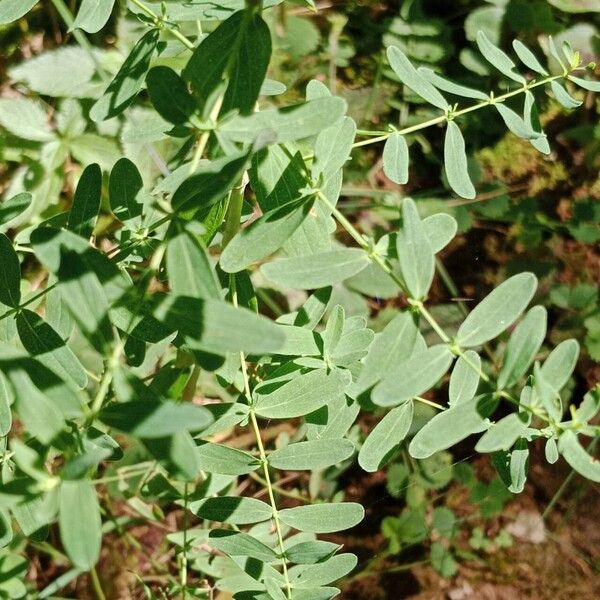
x,y
150,343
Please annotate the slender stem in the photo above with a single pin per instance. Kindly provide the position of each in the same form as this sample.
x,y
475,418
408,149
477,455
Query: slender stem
x,y
65,14
430,403
442,118
96,584
31,300
161,24
565,484
232,225
281,491
204,137
184,564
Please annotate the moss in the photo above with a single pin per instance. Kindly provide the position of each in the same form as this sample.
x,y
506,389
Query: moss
x,y
515,161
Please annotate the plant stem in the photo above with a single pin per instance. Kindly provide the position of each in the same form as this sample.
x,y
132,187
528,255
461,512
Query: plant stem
x,y
565,484
442,118
232,225
96,584
161,24
184,553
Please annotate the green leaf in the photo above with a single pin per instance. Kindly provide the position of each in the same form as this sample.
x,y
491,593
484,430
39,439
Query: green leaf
x,y
11,10
93,15
10,274
37,411
190,270
248,65
516,124
308,553
503,434
308,456
128,81
236,543
440,230
577,457
332,569
413,376
264,236
415,255
86,279
169,95
332,148
323,269
392,346
395,158
450,427
80,522
442,560
455,162
519,457
523,345
215,326
497,58
286,124
586,84
150,419
13,207
238,51
498,310
528,58
323,518
532,120
464,380
216,458
237,510
551,450
309,315
25,118
66,71
5,412
409,76
210,183
86,203
385,437
560,364
301,395
563,97
125,187
450,86
41,341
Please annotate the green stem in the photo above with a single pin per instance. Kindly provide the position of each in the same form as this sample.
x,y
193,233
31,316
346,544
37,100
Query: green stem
x,y
31,300
184,562
65,14
565,484
96,584
442,118
162,25
232,226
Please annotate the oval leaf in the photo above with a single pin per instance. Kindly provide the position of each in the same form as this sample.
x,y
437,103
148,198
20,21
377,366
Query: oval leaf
x,y
323,518
385,437
498,310
413,377
455,162
80,522
315,454
318,271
